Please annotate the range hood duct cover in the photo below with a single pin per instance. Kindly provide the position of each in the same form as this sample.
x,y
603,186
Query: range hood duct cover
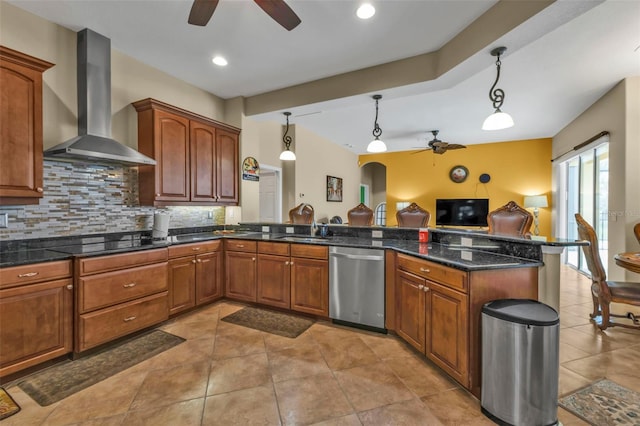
x,y
94,141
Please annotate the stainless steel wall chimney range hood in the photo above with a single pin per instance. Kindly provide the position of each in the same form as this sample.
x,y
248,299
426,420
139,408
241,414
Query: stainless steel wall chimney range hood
x,y
94,109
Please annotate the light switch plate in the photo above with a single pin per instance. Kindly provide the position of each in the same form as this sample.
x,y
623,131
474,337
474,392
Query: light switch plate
x,y
4,220
376,234
289,230
466,255
466,242
265,229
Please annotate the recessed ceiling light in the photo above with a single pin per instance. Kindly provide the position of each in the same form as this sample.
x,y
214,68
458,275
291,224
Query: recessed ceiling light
x,y
219,60
366,11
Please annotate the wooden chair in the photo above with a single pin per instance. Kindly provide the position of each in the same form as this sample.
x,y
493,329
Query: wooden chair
x,y
636,230
604,292
360,215
413,216
302,214
511,220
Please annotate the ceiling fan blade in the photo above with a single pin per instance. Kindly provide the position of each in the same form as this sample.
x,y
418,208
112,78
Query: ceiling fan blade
x,y
201,11
455,146
280,12
422,150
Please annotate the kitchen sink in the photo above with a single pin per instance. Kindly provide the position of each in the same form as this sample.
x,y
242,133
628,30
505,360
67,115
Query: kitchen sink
x,y
302,238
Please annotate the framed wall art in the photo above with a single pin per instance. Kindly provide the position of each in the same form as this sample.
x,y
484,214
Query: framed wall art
x,y
458,174
334,188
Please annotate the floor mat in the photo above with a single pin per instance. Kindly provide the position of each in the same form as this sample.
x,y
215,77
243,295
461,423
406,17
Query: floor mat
x,y
61,380
273,322
8,407
604,403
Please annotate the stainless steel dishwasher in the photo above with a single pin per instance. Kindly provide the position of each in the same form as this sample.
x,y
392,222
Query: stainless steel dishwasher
x,y
356,286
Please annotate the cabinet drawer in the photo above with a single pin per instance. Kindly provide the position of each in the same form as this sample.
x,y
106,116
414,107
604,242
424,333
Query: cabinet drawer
x,y
190,249
109,288
450,277
281,249
27,274
241,245
93,265
107,324
309,251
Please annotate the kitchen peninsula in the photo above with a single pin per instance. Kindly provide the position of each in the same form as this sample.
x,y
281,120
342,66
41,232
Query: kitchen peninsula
x,y
434,292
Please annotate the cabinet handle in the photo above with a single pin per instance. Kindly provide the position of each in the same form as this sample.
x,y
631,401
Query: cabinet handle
x,y
426,289
424,270
253,259
291,263
195,248
157,194
286,262
28,274
129,285
69,287
39,189
129,319
240,246
193,261
199,260
420,287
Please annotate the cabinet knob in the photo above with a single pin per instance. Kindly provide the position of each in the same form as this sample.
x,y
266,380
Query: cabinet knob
x,y
286,262
193,261
291,263
129,285
28,274
426,289
129,319
157,194
420,287
199,260
253,258
39,190
69,287
424,270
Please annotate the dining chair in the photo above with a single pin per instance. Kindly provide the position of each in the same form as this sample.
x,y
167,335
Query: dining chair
x,y
636,230
603,292
511,220
413,216
302,214
360,215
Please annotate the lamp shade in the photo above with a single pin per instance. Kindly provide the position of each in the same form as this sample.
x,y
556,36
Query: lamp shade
x,y
535,201
232,215
376,145
287,155
401,205
497,121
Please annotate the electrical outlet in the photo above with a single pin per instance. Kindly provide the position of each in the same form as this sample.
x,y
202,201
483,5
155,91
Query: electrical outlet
x,y
466,242
266,229
376,234
289,230
210,214
466,255
4,220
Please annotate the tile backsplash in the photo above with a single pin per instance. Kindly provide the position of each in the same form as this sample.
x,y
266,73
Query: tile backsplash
x,y
83,198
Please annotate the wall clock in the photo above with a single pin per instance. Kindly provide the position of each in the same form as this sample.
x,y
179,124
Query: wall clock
x,y
458,174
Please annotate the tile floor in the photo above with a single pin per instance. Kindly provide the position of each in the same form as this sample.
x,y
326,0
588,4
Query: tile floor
x,y
229,375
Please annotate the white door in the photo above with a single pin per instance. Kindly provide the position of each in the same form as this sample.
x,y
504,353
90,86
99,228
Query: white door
x,y
270,195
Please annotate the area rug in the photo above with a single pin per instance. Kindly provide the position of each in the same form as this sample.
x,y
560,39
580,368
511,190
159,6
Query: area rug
x,y
273,322
8,407
604,403
61,380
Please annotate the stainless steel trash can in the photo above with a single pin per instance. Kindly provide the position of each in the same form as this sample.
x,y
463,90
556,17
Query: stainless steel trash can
x,y
520,361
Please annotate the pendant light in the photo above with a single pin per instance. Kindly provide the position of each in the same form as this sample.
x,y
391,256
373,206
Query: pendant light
x,y
376,145
498,120
287,154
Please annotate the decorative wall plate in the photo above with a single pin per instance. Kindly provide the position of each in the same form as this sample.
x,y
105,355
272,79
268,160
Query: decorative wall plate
x,y
458,174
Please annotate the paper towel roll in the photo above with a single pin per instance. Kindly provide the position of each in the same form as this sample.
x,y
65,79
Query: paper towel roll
x,y
160,225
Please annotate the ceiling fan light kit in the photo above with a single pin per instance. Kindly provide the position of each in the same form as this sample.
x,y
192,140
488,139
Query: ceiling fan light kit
x,y
498,120
365,11
287,154
376,145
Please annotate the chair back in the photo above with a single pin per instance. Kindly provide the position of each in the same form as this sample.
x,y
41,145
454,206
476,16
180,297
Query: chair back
x,y
636,230
335,219
413,216
360,215
302,214
591,252
510,219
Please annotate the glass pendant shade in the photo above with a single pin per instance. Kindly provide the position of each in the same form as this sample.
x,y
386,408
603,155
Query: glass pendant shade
x,y
287,155
497,121
376,145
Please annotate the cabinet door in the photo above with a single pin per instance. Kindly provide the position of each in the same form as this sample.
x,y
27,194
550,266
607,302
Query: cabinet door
x,y
20,127
171,147
240,279
447,330
36,324
274,281
208,277
310,286
203,154
226,167
182,284
410,297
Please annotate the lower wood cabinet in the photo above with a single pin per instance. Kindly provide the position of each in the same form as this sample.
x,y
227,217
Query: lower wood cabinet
x,y
240,270
195,275
310,284
36,318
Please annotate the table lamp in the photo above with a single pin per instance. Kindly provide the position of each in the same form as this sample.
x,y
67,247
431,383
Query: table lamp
x,y
535,202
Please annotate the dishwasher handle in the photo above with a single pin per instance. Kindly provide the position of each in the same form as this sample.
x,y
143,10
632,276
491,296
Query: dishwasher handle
x,y
357,256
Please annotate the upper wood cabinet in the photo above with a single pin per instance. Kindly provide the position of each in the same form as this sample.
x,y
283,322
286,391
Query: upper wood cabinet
x,y
197,158
20,127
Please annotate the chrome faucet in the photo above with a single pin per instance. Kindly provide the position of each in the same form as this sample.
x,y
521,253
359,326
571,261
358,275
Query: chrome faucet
x,y
314,227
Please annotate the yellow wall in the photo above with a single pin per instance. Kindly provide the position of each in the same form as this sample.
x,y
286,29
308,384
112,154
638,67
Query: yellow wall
x,y
516,168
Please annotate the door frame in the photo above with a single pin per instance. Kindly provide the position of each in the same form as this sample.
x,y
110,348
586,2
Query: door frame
x,y
278,201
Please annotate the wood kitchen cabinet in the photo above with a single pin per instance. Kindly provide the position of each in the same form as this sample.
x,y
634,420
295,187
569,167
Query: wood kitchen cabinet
x,y
194,275
20,127
274,274
241,270
197,158
310,279
118,295
36,313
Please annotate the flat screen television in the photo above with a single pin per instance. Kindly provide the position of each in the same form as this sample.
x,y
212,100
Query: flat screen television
x,y
462,211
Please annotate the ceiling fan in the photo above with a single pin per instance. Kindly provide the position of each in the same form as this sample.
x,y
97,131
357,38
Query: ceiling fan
x,y
202,10
438,146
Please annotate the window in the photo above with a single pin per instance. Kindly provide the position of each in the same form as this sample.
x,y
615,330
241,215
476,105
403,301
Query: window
x,y
381,214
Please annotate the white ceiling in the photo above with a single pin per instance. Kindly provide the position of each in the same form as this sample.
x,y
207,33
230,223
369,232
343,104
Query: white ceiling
x,y
557,63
